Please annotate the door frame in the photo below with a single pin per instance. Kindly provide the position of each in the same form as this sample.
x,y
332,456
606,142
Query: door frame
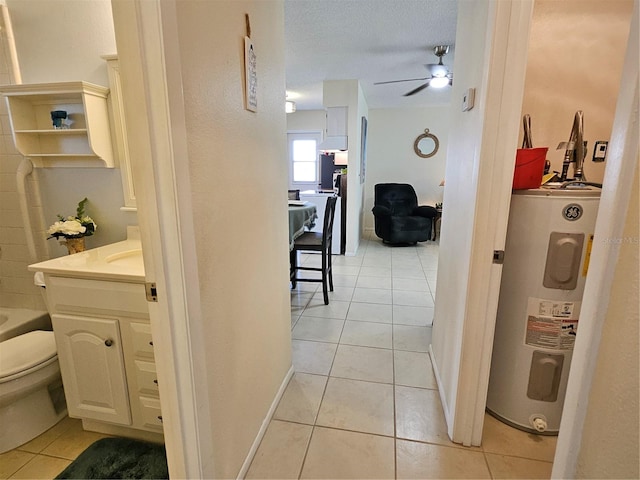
x,y
464,320
621,170
154,112
509,23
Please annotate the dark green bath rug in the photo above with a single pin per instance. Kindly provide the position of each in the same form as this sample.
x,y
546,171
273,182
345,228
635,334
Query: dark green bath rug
x,y
119,458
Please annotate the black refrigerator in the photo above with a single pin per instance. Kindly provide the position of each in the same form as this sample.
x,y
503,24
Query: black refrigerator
x,y
327,167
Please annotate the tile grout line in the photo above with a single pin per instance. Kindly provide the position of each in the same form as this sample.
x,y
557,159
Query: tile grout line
x,y
393,364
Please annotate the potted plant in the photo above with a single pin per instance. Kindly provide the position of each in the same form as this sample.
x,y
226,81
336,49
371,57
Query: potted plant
x,y
73,229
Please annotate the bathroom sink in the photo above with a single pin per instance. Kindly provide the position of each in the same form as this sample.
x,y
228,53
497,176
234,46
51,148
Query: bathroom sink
x,y
120,261
126,258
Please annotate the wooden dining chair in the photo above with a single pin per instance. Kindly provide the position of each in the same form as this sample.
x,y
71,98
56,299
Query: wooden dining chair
x,y
316,242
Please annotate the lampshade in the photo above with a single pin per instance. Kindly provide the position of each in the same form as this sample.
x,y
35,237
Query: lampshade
x,y
439,82
289,106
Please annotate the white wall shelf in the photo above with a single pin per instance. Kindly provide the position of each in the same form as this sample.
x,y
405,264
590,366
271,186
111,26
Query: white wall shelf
x,y
87,141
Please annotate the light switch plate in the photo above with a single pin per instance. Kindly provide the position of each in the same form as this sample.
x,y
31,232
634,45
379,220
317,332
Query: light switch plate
x,y
468,99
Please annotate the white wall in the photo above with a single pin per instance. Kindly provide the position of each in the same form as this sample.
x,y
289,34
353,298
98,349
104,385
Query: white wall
x,y
16,283
237,178
340,93
599,429
391,158
575,62
307,120
56,40
610,441
456,240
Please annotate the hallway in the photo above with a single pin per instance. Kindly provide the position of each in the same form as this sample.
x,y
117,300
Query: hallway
x,y
363,402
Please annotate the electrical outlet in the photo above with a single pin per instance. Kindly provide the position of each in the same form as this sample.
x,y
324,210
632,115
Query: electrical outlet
x,y
468,98
600,151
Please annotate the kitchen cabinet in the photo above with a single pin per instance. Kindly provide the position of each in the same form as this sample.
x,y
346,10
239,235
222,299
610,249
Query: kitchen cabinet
x,y
87,140
106,351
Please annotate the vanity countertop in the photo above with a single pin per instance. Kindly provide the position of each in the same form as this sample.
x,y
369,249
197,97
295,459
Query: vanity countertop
x,y
121,261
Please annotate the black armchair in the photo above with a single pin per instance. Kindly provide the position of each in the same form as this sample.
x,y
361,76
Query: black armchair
x,y
398,218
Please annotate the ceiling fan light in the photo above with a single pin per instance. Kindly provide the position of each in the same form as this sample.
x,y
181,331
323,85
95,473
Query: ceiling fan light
x,y
439,82
437,70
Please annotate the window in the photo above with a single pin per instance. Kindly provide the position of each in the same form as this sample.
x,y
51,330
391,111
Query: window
x,y
304,161
303,157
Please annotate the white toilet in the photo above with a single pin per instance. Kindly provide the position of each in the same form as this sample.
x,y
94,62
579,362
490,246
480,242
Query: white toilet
x,y
31,394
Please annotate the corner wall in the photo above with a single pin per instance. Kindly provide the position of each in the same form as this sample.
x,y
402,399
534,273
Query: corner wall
x,y
16,282
339,93
238,179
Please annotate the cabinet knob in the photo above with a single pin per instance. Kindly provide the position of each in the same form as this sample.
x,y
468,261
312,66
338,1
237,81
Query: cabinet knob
x,y
108,342
160,418
155,381
151,343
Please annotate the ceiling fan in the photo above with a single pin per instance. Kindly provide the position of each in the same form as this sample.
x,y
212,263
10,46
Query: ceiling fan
x,y
440,75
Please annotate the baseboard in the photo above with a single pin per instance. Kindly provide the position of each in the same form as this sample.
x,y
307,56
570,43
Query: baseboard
x,y
443,399
121,431
265,423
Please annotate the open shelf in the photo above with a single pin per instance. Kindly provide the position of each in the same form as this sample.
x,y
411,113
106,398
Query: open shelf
x,y
87,140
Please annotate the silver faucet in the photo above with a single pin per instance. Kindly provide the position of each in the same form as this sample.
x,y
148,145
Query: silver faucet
x,y
575,150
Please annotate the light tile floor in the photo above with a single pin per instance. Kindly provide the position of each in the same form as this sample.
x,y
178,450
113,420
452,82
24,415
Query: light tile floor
x,y
46,456
363,402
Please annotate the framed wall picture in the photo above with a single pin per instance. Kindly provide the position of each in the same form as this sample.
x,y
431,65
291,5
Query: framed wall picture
x,y
251,76
363,149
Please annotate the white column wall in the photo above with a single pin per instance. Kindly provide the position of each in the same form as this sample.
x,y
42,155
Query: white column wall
x,y
238,177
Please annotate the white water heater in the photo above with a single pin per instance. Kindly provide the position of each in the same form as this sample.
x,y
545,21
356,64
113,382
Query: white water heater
x,y
546,259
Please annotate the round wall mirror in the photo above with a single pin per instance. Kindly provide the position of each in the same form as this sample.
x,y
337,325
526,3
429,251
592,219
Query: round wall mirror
x,y
426,145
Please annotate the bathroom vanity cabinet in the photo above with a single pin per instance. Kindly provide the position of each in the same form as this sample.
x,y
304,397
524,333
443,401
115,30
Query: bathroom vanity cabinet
x,y
86,142
99,310
105,350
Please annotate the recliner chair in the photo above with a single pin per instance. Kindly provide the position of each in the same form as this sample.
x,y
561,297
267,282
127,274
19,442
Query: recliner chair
x,y
398,218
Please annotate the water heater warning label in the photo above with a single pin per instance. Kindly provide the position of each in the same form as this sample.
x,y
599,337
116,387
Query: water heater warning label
x,y
552,323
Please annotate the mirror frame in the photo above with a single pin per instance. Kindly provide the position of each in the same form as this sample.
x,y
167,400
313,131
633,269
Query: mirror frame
x,y
436,144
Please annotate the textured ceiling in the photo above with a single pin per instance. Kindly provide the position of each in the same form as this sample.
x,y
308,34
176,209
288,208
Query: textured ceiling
x,y
367,40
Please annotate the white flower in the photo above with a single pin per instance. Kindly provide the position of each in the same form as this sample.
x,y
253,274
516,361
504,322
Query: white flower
x,y
78,226
68,227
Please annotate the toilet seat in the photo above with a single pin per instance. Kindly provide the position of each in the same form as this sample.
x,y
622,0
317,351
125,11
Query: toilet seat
x,y
19,355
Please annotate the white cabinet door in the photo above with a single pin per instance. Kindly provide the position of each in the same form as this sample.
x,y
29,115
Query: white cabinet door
x,y
92,366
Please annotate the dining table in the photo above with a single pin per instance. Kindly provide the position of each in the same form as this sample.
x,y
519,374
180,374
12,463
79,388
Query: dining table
x,y
301,215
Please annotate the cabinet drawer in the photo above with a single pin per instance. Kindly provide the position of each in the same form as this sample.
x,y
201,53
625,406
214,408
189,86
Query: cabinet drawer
x,y
84,295
151,413
141,339
147,377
